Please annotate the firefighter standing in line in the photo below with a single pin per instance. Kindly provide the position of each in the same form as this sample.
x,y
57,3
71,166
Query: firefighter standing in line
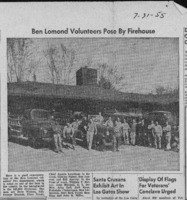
x,y
167,131
100,117
109,123
133,132
91,130
151,133
125,131
83,125
57,136
157,135
68,133
117,134
142,133
109,130
139,132
75,126
175,142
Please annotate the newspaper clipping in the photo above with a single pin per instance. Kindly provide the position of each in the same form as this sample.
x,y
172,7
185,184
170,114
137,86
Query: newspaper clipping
x,y
93,101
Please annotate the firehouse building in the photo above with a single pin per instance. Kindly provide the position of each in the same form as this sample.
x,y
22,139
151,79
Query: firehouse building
x,y
85,96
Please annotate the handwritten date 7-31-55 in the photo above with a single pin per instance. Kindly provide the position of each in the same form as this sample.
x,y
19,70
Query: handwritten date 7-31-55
x,y
149,15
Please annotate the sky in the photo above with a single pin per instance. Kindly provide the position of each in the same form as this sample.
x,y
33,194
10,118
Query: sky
x,y
145,63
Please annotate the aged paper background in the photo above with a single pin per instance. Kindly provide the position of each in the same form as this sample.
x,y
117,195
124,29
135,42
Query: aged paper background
x,y
18,19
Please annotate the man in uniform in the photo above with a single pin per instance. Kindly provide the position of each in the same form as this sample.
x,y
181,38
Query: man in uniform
x,y
142,133
125,131
100,118
83,125
175,141
68,133
107,138
75,126
157,135
109,123
57,136
117,134
167,131
133,132
151,133
91,130
139,132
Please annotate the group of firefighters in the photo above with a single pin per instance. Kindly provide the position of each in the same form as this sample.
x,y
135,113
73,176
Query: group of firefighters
x,y
137,133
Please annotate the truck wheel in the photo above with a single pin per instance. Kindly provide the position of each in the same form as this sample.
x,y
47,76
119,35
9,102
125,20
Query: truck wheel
x,y
34,142
25,132
37,143
30,141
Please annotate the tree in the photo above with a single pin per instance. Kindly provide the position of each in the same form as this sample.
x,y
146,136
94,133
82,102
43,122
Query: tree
x,y
160,90
67,56
50,55
18,53
110,77
60,61
105,83
10,69
33,66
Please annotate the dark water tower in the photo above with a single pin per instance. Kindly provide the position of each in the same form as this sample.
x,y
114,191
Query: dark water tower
x,y
86,76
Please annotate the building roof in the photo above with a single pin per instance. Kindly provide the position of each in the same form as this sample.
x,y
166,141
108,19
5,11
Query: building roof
x,y
84,92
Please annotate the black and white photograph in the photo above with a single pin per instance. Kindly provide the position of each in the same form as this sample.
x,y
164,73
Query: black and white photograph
x,y
93,104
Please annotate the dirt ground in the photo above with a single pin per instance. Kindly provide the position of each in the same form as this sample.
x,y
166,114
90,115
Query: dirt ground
x,y
130,158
